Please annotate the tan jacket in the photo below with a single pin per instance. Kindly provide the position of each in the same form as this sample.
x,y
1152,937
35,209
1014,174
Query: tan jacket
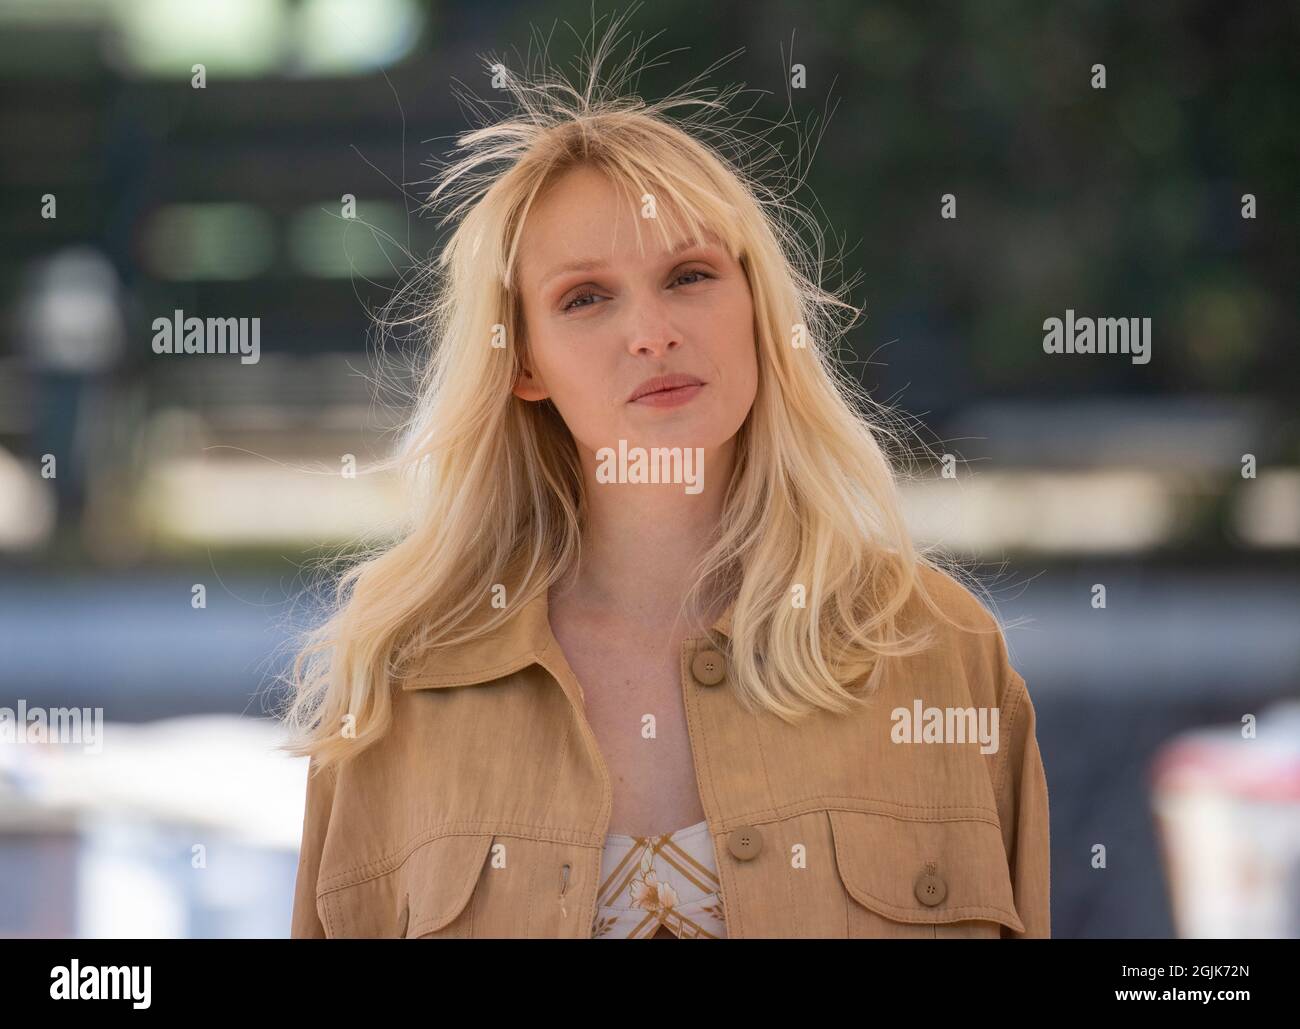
x,y
483,812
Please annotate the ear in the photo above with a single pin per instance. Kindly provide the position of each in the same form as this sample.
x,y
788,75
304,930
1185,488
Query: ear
x,y
528,385
528,382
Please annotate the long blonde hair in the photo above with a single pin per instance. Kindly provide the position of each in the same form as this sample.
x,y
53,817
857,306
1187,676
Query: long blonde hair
x,y
496,492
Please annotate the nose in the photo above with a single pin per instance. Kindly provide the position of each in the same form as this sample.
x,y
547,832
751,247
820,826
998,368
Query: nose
x,y
651,333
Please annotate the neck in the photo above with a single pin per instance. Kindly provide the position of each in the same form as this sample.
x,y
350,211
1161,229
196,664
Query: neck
x,y
642,540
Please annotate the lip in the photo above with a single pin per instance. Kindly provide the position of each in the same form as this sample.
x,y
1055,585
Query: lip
x,y
666,388
669,397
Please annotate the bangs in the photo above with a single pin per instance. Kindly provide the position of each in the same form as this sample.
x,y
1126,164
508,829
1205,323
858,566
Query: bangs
x,y
666,183
683,208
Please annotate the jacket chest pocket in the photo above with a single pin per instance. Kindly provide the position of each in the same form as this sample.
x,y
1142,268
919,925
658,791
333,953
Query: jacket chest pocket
x,y
430,895
832,873
940,878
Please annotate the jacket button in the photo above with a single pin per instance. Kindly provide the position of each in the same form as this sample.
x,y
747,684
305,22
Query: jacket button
x,y
709,667
745,842
930,889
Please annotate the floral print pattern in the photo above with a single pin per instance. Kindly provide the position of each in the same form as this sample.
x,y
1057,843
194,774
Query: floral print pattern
x,y
671,881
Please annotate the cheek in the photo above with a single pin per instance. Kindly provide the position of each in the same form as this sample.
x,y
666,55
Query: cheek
x,y
569,362
737,330
579,377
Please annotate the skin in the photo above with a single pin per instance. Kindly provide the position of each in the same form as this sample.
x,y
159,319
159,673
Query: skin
x,y
635,316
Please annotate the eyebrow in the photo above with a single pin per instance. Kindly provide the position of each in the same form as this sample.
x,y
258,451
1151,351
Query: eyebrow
x,y
591,264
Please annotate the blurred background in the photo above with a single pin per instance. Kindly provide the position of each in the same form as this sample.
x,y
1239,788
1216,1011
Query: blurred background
x,y
160,517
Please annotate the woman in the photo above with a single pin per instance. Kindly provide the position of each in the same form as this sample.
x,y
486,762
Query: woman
x,y
655,655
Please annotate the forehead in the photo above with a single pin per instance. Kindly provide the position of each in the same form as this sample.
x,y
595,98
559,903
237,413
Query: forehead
x,y
584,218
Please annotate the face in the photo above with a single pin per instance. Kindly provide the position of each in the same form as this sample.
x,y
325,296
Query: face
x,y
603,318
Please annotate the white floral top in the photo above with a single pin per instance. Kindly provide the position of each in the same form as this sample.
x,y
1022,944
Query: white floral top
x,y
669,880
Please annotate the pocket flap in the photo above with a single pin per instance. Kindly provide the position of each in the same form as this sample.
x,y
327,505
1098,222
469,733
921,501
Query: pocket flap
x,y
943,870
440,878
421,895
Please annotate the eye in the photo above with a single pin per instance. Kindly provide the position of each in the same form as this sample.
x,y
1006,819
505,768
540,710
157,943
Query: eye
x,y
586,293
694,271
586,296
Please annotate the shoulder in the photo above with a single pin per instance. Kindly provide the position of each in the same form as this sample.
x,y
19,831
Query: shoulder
x,y
955,599
967,637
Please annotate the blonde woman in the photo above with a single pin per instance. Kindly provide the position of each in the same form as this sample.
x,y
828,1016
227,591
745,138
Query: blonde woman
x,y
654,656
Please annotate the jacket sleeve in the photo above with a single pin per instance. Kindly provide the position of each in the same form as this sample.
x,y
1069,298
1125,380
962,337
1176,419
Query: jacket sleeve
x,y
306,923
1023,810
